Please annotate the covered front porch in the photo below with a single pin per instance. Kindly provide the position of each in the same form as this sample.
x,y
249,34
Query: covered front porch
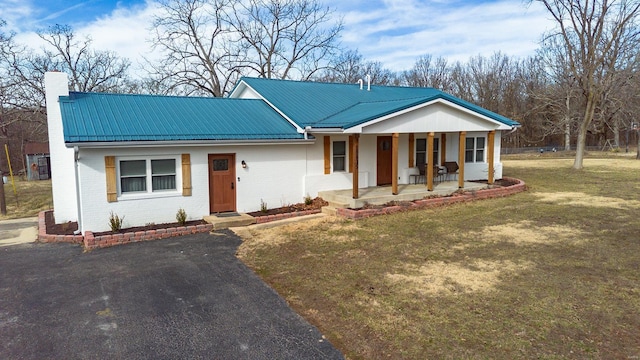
x,y
379,195
388,160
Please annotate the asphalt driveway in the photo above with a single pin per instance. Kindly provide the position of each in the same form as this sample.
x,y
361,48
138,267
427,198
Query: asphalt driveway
x,y
181,298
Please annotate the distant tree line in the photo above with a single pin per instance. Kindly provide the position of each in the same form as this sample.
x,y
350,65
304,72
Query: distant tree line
x,y
581,87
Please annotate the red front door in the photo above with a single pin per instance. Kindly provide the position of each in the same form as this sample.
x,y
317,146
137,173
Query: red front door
x,y
383,168
222,182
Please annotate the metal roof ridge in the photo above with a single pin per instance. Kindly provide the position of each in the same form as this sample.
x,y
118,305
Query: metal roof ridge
x,y
425,98
69,97
339,83
391,111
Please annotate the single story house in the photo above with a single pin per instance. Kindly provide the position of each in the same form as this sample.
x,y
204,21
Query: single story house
x,y
270,142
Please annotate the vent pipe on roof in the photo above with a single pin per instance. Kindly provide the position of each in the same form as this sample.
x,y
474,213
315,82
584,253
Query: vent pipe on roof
x,y
360,82
368,82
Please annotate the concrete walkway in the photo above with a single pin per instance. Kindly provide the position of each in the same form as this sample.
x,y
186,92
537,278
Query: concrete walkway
x,y
18,231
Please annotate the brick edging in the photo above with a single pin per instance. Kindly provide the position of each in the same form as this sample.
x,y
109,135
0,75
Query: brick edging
x,y
269,218
49,238
92,242
472,195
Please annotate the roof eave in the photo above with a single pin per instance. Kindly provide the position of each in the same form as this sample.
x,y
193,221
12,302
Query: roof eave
x,y
173,143
356,127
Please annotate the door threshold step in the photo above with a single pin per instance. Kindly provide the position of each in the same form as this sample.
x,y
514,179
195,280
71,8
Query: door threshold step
x,y
223,221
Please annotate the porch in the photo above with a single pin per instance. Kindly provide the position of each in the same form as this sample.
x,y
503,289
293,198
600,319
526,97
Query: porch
x,y
379,195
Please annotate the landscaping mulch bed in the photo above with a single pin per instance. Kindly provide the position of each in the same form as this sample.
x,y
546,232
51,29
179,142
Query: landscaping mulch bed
x,y
68,228
151,227
316,204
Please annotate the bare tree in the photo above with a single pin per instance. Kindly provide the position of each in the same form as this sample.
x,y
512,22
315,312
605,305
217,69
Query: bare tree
x,y
595,34
347,68
350,67
89,69
195,43
285,38
427,72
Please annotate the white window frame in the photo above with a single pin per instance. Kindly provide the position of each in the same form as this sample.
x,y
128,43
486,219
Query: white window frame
x,y
475,149
149,193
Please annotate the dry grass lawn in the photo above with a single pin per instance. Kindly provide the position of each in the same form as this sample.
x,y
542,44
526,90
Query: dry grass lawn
x,y
551,273
30,198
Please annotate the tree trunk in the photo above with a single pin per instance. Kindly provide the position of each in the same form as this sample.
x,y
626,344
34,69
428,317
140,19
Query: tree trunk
x,y
567,135
582,133
567,124
638,148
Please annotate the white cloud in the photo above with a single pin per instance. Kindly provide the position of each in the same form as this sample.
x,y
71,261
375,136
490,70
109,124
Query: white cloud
x,y
395,32
399,31
125,31
14,12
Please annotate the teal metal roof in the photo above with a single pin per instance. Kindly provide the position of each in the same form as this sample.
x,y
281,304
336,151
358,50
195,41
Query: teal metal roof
x,y
98,117
330,105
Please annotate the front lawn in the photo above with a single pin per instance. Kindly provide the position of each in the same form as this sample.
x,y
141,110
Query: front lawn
x,y
553,272
29,198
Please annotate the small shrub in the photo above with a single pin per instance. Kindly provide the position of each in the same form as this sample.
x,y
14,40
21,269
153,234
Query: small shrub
x,y
181,216
308,200
115,222
263,206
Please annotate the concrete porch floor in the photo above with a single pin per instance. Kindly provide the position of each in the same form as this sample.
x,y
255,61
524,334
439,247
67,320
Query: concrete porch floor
x,y
382,194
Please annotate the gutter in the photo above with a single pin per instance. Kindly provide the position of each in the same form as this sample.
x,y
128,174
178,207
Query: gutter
x,y
154,143
76,163
335,130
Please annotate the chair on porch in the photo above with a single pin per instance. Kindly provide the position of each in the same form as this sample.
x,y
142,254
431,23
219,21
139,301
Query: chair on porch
x,y
439,173
452,169
414,175
421,176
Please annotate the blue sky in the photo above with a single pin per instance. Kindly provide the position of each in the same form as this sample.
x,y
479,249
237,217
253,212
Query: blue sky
x,y
395,32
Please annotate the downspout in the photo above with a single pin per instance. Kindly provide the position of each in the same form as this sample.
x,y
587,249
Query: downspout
x,y
76,158
306,132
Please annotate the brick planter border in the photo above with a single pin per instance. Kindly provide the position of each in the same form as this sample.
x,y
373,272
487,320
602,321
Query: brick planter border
x,y
92,242
269,218
48,238
518,187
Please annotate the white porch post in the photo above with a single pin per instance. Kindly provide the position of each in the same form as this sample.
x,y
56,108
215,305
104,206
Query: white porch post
x,y
490,154
354,175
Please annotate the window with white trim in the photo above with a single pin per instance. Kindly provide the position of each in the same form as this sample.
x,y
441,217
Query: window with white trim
x,y
474,149
339,155
421,151
147,175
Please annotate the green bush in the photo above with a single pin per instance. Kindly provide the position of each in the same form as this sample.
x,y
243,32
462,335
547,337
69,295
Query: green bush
x,y
308,200
115,222
181,216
